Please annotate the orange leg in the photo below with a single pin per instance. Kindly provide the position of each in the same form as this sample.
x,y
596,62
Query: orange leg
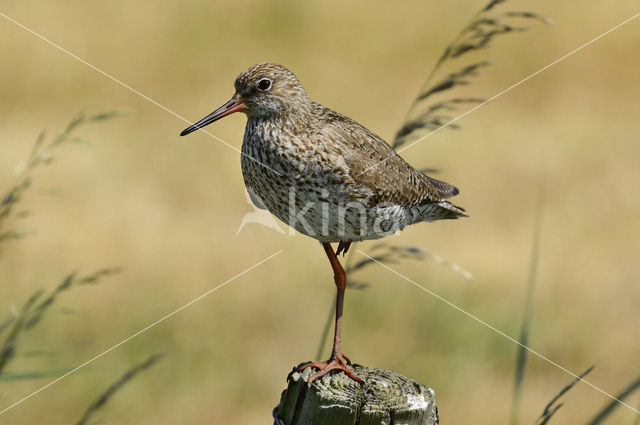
x,y
337,361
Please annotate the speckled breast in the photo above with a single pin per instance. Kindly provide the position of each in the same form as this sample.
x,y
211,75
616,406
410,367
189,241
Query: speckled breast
x,y
300,187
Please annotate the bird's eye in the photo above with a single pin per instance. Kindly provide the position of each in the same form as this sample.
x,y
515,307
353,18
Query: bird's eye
x,y
264,84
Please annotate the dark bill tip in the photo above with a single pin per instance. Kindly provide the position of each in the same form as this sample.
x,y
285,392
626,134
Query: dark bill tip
x,y
236,104
187,131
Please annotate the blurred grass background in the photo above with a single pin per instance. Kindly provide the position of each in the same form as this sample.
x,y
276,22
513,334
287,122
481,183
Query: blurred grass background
x,y
167,209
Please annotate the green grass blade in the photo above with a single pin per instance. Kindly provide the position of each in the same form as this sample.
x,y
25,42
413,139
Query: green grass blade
x,y
522,353
552,411
113,388
609,408
4,325
32,374
551,408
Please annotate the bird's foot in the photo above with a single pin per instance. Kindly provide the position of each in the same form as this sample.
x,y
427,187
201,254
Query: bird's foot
x,y
343,247
338,362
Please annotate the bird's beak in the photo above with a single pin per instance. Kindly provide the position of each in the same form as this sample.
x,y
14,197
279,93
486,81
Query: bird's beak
x,y
235,104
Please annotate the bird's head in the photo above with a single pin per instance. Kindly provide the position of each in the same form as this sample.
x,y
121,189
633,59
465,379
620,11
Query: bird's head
x,y
262,91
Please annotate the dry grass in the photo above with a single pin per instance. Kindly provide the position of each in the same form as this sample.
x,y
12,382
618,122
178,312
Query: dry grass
x,y
20,322
427,116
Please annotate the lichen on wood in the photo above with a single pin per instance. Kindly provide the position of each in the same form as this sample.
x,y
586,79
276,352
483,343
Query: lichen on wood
x,y
385,398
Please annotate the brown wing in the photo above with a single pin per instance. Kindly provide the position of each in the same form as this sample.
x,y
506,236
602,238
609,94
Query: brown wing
x,y
372,163
445,190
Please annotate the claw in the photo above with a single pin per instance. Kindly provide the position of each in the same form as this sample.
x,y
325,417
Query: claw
x,y
335,363
343,247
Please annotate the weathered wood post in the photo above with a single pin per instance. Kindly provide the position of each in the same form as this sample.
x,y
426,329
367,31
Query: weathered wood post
x,y
384,398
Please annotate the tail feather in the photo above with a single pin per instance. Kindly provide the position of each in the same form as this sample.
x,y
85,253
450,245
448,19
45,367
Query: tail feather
x,y
452,211
431,211
444,189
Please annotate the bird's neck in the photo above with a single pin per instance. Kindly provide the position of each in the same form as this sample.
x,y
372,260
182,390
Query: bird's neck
x,y
276,135
292,120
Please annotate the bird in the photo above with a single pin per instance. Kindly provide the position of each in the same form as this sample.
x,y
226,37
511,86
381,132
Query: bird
x,y
326,176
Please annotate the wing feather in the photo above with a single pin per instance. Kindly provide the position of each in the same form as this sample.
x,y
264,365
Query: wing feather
x,y
373,164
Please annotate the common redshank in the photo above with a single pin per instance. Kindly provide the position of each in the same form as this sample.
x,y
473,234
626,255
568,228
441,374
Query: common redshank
x,y
325,175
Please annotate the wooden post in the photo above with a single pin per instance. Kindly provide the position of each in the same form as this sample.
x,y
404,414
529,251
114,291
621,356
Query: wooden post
x,y
384,398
